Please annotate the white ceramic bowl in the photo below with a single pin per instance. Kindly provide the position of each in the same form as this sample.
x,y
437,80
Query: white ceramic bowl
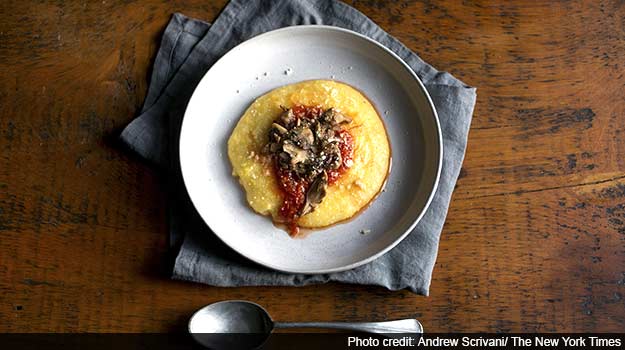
x,y
290,55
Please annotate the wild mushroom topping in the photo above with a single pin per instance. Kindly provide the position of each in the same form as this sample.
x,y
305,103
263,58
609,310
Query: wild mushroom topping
x,y
315,194
335,118
296,154
287,118
304,137
279,129
311,149
333,154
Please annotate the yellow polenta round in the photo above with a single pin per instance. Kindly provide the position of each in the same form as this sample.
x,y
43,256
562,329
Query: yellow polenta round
x,y
354,189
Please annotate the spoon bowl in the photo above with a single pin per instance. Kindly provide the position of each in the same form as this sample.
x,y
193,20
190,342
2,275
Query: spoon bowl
x,y
236,316
214,325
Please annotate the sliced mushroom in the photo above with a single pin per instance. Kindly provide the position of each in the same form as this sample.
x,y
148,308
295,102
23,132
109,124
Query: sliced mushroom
x,y
323,132
340,118
284,160
333,116
301,169
333,139
332,155
274,147
271,148
277,132
287,118
298,155
316,193
279,128
304,137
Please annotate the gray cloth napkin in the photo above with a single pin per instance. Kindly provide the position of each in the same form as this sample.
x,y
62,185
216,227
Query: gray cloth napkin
x,y
189,47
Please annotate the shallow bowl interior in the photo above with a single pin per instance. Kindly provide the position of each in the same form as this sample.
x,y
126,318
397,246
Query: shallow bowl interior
x,y
291,55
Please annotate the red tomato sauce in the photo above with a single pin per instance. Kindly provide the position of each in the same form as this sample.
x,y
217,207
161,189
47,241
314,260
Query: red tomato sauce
x,y
293,198
310,112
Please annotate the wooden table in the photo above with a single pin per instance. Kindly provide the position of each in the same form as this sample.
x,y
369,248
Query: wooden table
x,y
535,236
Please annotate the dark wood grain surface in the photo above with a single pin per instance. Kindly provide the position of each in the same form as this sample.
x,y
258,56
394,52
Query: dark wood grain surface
x,y
535,236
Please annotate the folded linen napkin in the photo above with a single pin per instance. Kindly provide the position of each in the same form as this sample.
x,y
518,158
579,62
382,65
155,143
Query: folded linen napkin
x,y
188,49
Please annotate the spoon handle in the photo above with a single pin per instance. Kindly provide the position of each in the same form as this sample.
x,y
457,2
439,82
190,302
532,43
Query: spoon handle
x,y
400,326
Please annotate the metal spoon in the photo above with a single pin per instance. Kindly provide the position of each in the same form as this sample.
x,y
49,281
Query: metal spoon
x,y
244,317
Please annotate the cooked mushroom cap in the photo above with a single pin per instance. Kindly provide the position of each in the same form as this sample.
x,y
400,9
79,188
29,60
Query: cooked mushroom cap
x,y
315,193
334,117
279,128
287,117
304,137
298,155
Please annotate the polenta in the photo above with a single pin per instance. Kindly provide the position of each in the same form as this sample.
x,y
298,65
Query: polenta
x,y
310,154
